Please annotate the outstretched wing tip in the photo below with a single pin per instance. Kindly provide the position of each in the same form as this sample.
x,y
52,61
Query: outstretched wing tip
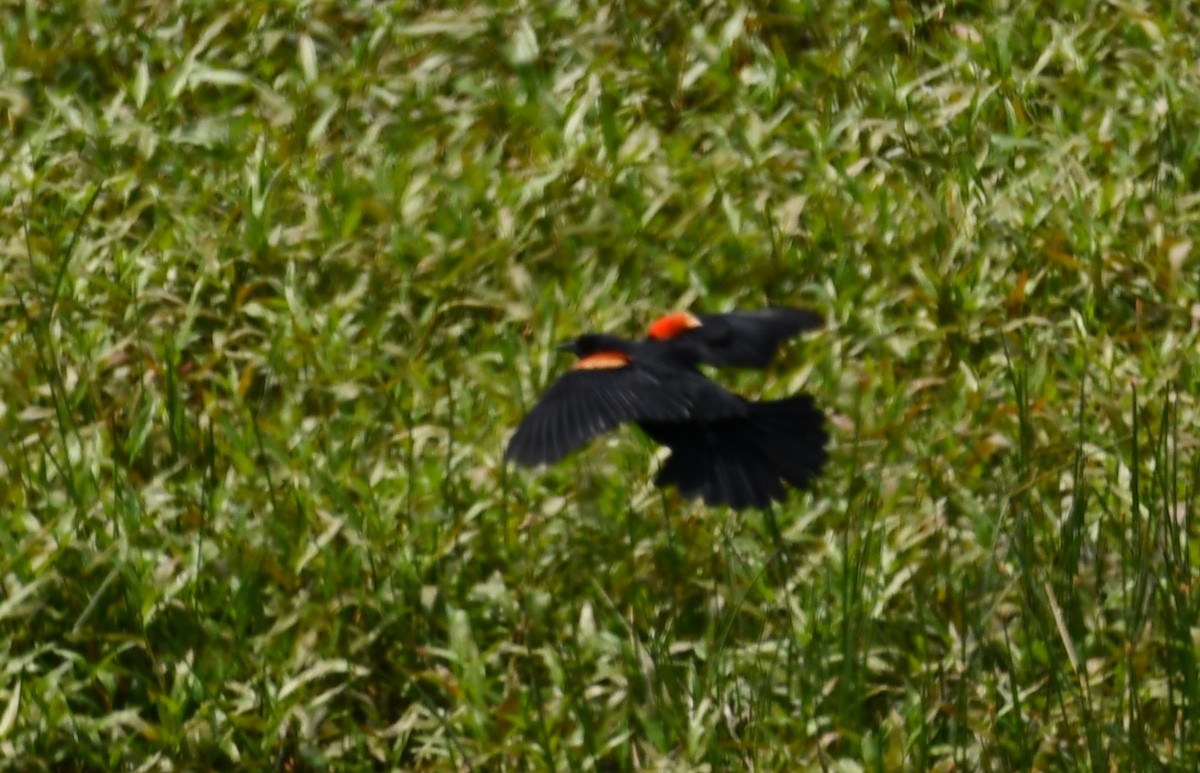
x,y
585,403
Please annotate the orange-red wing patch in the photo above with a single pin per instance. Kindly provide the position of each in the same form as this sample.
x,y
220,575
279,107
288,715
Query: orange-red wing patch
x,y
673,325
603,361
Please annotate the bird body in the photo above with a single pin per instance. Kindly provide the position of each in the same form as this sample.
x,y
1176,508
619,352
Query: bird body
x,y
724,448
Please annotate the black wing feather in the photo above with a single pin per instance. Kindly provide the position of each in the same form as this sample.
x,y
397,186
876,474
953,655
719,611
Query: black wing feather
x,y
585,403
748,339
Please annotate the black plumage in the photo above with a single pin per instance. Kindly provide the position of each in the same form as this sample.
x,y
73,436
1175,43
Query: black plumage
x,y
724,449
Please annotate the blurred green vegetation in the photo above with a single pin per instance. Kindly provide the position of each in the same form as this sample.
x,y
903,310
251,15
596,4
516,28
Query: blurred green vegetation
x,y
277,280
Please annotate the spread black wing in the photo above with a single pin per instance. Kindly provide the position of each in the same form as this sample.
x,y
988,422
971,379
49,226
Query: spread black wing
x,y
748,339
585,403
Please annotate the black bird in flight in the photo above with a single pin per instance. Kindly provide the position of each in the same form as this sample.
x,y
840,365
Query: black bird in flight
x,y
724,448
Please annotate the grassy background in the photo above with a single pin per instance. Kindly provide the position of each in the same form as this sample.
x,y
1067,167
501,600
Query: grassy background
x,y
276,282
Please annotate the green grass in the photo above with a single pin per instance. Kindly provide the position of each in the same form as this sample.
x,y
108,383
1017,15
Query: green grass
x,y
276,282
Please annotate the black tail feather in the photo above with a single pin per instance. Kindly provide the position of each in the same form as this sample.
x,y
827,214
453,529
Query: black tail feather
x,y
791,433
743,462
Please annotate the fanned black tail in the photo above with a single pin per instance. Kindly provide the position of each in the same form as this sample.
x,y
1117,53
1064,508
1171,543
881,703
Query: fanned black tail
x,y
744,461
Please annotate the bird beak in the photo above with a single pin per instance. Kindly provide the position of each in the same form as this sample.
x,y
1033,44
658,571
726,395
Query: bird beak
x,y
566,346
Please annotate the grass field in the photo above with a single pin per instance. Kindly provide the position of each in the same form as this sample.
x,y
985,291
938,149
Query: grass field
x,y
278,280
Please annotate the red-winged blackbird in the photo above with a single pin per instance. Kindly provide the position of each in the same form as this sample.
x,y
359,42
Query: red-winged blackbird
x,y
724,448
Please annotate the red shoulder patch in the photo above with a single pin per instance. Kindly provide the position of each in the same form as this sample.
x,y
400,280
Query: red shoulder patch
x,y
603,361
672,325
